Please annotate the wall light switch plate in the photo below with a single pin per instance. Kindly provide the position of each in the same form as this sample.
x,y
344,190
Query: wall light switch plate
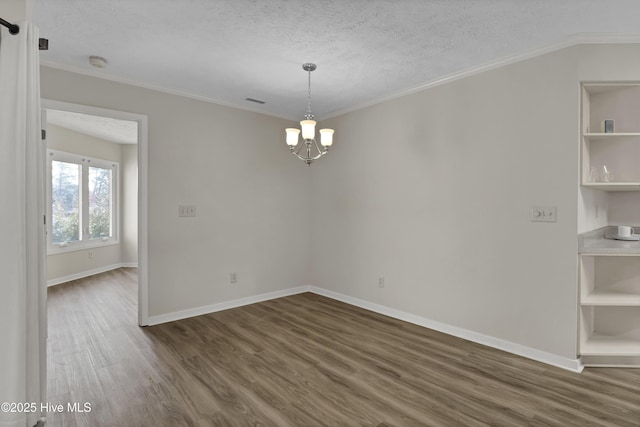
x,y
186,210
544,214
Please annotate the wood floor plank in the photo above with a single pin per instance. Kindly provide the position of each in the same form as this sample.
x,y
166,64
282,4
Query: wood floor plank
x,y
303,360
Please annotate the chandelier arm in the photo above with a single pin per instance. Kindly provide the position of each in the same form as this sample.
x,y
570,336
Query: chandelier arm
x,y
322,153
304,159
297,152
315,157
297,155
308,157
307,160
317,146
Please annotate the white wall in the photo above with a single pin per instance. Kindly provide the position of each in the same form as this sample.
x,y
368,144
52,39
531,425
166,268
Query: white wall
x,y
71,264
129,213
433,191
15,10
251,195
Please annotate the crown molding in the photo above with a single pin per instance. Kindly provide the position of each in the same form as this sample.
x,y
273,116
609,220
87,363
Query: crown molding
x,y
574,40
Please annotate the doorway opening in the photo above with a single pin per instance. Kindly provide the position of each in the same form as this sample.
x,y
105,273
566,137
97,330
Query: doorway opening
x,y
96,194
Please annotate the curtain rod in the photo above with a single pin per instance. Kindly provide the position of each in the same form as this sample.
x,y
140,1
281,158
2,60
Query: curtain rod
x,y
43,44
13,28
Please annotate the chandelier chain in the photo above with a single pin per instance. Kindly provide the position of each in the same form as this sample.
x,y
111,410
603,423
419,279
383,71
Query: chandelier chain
x,y
309,115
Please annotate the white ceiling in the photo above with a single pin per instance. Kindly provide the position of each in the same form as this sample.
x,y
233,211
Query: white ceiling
x,y
114,130
366,50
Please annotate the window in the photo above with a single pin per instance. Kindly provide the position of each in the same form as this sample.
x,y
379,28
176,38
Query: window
x,y
82,195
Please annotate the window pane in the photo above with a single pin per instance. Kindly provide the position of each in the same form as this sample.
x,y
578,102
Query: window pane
x,y
65,201
99,202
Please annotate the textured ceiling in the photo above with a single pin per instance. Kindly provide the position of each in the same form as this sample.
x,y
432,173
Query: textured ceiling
x,y
114,130
366,50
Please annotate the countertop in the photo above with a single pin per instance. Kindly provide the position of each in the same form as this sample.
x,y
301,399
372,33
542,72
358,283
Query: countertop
x,y
595,243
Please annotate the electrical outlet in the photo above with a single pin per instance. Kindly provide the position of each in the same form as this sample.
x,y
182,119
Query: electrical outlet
x,y
90,254
544,214
381,282
233,278
186,210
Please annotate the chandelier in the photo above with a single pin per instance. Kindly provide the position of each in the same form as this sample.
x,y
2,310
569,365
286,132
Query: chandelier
x,y
308,149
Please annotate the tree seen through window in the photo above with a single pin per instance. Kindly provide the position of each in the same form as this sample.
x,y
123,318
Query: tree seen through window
x,y
65,199
99,202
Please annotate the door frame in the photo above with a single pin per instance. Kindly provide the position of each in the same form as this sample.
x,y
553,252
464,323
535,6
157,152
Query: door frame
x,y
143,194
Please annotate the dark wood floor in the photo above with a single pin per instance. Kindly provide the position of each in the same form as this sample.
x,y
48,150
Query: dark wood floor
x,y
303,360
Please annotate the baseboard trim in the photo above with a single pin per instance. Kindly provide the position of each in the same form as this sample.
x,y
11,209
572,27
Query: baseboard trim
x,y
573,365
129,264
207,309
87,273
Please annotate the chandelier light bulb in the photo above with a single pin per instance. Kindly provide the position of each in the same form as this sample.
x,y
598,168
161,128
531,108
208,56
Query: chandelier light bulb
x,y
326,137
308,129
292,136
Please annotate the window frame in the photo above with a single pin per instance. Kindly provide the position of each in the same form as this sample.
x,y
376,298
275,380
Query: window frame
x,y
85,242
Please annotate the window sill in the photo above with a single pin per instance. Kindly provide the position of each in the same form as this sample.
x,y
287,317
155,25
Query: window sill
x,y
75,247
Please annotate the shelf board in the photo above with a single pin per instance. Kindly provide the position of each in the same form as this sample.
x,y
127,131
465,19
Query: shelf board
x,y
608,345
595,136
613,186
609,298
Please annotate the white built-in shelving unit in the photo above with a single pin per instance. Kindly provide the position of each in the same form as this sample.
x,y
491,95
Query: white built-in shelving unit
x,y
609,276
609,304
620,150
